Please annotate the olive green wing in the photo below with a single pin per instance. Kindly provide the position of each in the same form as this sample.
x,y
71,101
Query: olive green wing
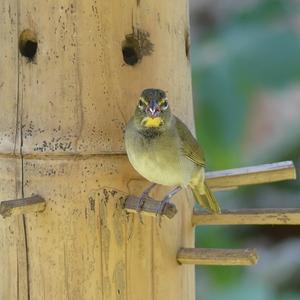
x,y
190,147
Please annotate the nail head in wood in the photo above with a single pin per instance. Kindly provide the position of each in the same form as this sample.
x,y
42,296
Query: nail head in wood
x,y
22,206
219,257
150,207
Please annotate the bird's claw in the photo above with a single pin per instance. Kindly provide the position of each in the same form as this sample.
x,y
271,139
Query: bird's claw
x,y
142,200
160,210
162,206
140,205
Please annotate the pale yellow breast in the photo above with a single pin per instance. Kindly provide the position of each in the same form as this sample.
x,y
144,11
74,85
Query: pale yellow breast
x,y
159,160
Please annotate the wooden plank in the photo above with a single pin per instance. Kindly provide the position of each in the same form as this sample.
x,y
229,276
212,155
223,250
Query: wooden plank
x,y
22,206
231,178
150,207
113,241
13,258
139,249
13,250
9,142
218,257
78,241
168,236
273,216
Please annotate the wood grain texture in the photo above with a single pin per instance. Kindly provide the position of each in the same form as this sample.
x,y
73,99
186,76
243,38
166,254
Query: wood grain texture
x,y
221,257
62,130
140,248
231,178
79,86
13,258
274,216
13,249
166,234
9,142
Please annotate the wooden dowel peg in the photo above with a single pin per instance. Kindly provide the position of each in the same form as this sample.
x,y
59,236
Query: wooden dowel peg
x,y
22,206
150,207
218,257
272,216
231,178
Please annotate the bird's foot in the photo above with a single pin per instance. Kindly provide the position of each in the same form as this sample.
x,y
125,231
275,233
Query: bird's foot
x,y
144,196
142,200
161,208
165,201
162,205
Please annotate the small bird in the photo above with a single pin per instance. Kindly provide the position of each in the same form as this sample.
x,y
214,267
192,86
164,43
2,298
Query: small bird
x,y
163,150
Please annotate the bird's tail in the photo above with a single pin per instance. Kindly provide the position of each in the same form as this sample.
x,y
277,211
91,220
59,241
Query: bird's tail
x,y
205,198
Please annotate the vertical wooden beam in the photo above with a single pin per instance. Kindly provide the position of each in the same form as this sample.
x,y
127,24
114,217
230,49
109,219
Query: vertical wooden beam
x,y
13,261
75,97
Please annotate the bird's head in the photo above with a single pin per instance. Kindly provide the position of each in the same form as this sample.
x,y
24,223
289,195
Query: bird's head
x,y
153,109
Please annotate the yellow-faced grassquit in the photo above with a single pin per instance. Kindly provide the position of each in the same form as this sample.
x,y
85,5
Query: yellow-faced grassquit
x,y
163,150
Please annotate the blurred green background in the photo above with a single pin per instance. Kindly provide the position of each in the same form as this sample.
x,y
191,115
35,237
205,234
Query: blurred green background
x,y
246,79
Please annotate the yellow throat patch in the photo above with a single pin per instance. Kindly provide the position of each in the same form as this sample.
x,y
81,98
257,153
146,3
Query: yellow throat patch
x,y
152,122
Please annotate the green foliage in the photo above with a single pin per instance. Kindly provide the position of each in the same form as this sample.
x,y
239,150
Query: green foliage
x,y
253,50
230,67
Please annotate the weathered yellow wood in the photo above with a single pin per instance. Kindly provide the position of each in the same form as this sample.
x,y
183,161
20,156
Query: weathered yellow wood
x,y
85,225
62,129
232,178
12,237
176,231
22,206
13,259
9,142
140,248
220,257
272,216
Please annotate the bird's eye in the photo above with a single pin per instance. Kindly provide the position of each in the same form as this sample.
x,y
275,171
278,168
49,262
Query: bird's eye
x,y
164,104
142,104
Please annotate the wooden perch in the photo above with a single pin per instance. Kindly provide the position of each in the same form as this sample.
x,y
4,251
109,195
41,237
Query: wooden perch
x,y
22,206
232,178
276,216
221,257
150,207
222,180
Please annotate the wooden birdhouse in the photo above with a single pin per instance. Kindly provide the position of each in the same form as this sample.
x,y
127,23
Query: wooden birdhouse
x,y
71,74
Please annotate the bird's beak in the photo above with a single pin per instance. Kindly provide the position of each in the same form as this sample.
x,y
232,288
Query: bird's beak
x,y
153,109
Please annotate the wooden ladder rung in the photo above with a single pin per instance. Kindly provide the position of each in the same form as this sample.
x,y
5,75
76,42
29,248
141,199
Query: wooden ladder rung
x,y
233,178
271,216
22,206
221,257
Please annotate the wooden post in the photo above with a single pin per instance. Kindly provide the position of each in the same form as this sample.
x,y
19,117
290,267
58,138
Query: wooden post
x,y
65,99
220,257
